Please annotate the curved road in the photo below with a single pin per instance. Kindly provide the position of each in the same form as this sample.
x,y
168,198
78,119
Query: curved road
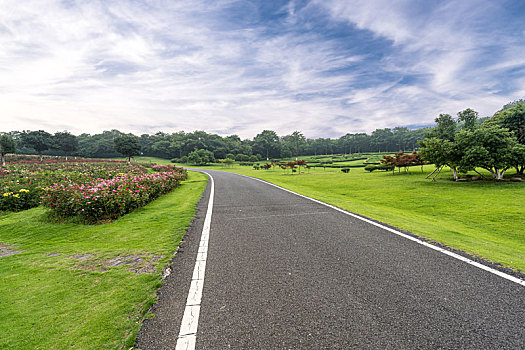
x,y
284,272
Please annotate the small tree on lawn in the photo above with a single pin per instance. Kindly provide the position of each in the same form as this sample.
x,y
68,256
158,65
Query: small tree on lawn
x,y
7,145
128,145
291,165
65,142
300,163
442,153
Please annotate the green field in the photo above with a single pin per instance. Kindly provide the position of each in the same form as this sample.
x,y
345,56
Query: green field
x,y
483,218
87,286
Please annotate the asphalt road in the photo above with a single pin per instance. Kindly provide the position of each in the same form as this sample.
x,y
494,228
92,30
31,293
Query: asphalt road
x,y
284,272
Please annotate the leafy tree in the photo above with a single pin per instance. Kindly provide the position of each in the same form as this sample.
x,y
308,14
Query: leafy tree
x,y
163,148
194,158
99,145
400,137
446,128
242,157
296,141
362,142
65,142
469,118
517,158
381,139
201,157
39,140
267,142
488,147
512,105
128,145
229,162
514,120
7,145
402,160
442,153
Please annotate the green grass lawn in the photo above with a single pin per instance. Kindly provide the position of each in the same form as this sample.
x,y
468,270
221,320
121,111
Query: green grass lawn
x,y
63,291
482,218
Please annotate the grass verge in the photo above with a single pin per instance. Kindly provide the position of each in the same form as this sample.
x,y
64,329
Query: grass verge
x,y
87,287
482,218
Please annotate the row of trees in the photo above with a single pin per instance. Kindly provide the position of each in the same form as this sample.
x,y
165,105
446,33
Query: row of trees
x,y
64,142
466,143
463,144
265,145
37,141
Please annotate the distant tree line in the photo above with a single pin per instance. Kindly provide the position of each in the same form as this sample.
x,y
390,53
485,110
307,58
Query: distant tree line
x,y
181,145
201,147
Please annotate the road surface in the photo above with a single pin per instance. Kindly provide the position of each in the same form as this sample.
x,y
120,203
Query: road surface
x,y
284,272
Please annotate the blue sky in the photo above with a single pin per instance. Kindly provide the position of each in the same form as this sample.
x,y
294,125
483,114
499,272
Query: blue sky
x,y
324,67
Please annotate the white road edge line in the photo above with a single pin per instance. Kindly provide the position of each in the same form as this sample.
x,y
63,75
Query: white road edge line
x,y
190,321
426,244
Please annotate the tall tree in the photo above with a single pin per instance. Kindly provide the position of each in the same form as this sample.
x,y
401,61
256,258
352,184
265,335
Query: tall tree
x,y
400,136
7,145
65,142
267,142
439,147
514,119
128,145
382,138
39,140
296,141
446,128
468,117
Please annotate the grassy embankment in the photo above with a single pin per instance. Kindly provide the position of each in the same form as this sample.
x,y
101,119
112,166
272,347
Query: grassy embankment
x,y
65,291
483,218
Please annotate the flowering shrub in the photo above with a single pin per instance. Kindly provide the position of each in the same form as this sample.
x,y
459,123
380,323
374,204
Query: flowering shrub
x,y
20,199
108,199
89,190
157,167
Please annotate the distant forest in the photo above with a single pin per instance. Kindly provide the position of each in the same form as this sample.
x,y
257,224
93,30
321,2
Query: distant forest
x,y
266,144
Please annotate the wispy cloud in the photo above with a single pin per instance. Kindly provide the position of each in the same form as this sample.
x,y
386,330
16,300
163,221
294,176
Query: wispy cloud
x,y
323,67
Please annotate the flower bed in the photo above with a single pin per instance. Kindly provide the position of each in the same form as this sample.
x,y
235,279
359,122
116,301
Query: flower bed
x,y
108,199
89,190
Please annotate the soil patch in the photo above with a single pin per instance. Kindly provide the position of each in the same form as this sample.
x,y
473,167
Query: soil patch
x,y
142,263
7,250
137,263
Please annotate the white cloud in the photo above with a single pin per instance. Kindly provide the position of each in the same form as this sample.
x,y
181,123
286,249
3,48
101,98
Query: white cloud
x,y
168,66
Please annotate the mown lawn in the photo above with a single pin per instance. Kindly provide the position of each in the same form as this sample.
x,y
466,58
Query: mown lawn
x,y
87,287
482,218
